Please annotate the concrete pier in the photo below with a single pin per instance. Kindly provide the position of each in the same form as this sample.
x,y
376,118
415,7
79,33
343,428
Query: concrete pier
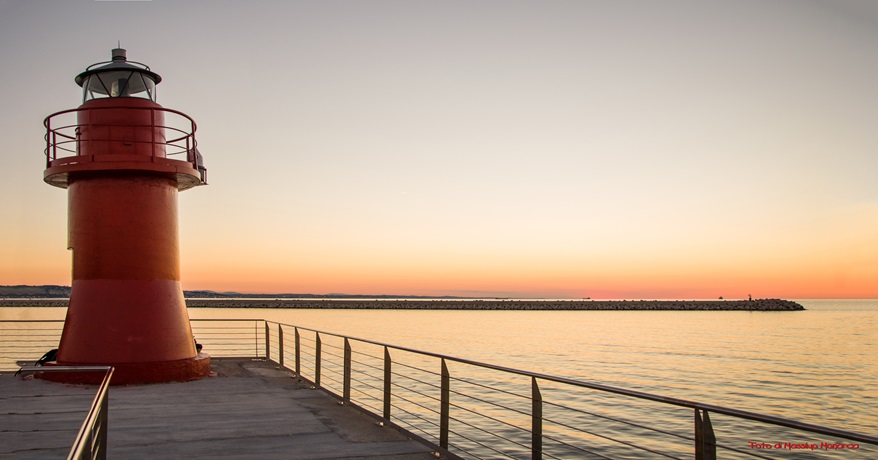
x,y
250,409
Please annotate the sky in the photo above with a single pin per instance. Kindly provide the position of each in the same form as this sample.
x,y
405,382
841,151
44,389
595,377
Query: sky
x,y
561,149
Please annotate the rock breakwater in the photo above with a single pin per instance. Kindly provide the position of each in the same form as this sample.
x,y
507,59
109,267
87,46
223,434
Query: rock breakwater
x,y
408,304
681,305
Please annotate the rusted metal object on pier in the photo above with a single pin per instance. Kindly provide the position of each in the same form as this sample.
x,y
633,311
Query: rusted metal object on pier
x,y
122,158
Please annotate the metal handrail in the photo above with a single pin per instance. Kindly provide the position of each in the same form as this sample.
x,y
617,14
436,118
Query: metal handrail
x,y
184,144
20,342
706,443
621,391
91,441
246,341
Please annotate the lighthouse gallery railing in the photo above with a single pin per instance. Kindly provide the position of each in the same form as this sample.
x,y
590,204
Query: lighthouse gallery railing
x,y
63,140
470,409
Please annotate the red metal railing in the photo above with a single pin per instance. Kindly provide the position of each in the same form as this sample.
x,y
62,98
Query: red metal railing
x,y
176,136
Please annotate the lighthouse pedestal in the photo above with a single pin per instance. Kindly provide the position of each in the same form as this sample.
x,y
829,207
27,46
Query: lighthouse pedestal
x,y
139,327
135,373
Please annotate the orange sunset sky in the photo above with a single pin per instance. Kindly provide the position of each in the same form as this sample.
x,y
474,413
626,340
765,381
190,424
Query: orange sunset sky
x,y
561,149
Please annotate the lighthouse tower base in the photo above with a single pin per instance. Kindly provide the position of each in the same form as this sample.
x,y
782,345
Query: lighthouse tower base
x,y
140,327
136,373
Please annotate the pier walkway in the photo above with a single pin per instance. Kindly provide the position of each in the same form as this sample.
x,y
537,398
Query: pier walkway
x,y
251,409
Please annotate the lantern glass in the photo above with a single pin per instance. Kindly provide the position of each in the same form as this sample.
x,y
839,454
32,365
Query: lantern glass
x,y
118,83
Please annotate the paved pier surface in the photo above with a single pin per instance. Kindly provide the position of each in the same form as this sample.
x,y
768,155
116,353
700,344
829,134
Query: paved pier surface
x,y
250,409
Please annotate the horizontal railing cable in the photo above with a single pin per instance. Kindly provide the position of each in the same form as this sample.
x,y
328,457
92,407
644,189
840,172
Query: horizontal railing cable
x,y
481,444
408,366
490,433
575,447
413,390
490,403
419,417
488,387
328,353
366,384
606,417
414,403
743,452
608,438
365,394
370,407
407,377
495,419
464,450
380,358
368,365
546,454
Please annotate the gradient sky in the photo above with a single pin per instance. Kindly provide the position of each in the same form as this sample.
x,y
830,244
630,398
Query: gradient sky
x,y
609,149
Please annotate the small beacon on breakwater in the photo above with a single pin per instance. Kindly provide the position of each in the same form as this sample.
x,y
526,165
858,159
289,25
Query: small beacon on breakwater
x,y
122,158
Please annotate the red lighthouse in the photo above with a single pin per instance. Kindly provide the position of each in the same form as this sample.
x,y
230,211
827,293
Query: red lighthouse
x,y
122,158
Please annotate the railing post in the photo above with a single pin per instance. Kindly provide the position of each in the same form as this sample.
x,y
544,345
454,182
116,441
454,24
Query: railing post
x,y
536,421
267,343
48,141
78,133
89,442
54,148
444,408
298,354
317,360
699,438
152,130
280,345
705,440
346,396
103,419
387,387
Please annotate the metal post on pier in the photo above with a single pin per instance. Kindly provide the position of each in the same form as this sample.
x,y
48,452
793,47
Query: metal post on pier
x,y
317,348
298,354
444,407
280,345
346,395
705,439
267,343
387,376
536,421
103,421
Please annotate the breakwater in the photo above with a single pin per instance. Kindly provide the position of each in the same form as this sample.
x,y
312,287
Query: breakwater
x,y
682,305
419,304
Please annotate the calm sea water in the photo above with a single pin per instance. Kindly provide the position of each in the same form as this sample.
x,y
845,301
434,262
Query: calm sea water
x,y
816,366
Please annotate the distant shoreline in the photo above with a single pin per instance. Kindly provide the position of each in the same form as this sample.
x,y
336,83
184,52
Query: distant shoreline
x,y
419,304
